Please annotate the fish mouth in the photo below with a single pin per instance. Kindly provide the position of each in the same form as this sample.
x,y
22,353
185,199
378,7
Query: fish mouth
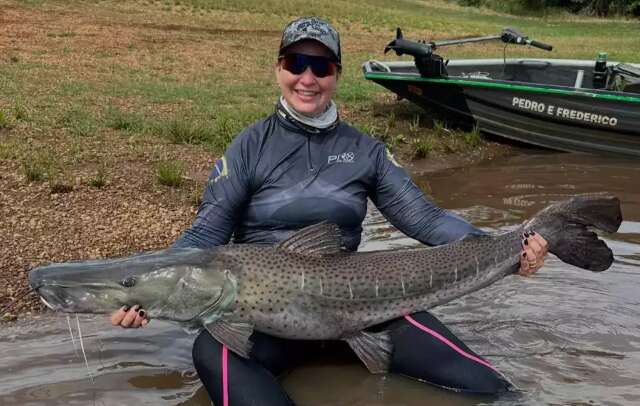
x,y
54,299
62,298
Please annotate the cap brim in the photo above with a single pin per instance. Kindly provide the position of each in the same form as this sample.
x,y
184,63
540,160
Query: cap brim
x,y
284,49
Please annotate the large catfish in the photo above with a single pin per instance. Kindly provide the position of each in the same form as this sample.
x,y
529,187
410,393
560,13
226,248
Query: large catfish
x,y
306,287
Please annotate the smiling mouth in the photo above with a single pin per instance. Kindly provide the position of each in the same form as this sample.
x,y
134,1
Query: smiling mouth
x,y
306,93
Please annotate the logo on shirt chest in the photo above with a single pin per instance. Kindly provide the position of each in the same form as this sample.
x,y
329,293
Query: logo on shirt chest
x,y
343,158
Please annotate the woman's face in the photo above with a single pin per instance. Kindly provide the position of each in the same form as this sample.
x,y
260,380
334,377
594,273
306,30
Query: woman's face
x,y
307,93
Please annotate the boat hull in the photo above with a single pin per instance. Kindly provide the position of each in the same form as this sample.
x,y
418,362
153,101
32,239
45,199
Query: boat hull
x,y
552,116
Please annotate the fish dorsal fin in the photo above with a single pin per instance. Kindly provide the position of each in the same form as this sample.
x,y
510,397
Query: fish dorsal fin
x,y
316,240
235,335
373,349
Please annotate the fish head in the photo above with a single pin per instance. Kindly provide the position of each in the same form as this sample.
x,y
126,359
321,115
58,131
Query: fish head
x,y
178,284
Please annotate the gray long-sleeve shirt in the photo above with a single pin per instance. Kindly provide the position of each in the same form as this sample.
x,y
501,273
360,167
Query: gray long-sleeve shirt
x,y
276,178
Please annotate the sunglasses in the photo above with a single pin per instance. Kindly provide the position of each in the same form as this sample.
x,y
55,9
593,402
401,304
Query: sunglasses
x,y
298,63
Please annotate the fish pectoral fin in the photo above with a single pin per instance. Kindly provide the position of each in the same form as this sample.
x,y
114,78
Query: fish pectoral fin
x,y
234,335
374,349
316,240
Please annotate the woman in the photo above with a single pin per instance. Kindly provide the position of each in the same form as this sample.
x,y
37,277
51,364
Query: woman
x,y
301,166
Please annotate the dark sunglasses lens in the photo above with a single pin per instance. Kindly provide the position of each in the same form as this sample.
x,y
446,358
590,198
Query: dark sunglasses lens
x,y
293,64
320,66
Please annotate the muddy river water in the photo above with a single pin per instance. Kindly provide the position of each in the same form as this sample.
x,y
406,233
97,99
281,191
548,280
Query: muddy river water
x,y
564,336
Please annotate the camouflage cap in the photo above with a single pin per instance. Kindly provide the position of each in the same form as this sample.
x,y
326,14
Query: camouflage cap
x,y
311,28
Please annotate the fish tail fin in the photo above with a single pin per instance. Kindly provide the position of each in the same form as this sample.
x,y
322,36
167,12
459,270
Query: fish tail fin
x,y
566,227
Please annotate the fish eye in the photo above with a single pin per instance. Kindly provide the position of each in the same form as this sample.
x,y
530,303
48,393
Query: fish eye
x,y
128,282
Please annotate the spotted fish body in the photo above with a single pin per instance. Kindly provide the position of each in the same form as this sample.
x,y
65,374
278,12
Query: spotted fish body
x,y
307,288
300,296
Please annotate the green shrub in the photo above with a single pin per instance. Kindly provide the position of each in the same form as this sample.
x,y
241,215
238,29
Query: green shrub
x,y
414,125
38,166
79,122
185,132
4,120
473,138
195,195
219,133
99,179
6,151
422,147
123,121
367,128
440,128
20,112
225,129
170,173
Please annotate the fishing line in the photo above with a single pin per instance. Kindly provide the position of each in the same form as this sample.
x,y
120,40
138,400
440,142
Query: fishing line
x,y
100,346
100,351
73,341
84,354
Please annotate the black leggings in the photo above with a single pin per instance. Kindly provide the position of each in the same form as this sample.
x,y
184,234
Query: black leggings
x,y
423,348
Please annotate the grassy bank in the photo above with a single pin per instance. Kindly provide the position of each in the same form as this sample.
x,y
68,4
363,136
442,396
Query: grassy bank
x,y
195,71
111,113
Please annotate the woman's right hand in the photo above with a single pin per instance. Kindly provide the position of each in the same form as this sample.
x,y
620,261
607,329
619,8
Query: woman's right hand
x,y
126,317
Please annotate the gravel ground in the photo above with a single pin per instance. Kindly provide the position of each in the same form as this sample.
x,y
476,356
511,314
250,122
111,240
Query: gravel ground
x,y
131,213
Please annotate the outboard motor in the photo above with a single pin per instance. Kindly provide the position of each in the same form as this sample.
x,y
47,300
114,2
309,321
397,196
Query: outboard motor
x,y
429,64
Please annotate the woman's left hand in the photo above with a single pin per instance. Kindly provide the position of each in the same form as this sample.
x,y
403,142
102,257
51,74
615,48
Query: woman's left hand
x,y
534,251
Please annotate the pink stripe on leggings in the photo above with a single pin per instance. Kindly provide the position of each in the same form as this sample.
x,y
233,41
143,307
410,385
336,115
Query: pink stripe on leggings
x,y
449,343
225,376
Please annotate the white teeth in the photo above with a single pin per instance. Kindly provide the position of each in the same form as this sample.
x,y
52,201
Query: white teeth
x,y
46,303
306,93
